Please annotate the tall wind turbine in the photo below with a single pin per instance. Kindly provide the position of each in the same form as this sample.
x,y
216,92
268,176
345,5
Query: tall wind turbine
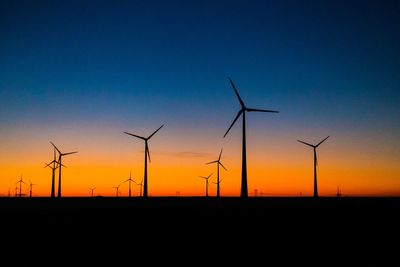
x,y
242,111
218,161
53,165
146,154
130,180
315,163
206,178
60,155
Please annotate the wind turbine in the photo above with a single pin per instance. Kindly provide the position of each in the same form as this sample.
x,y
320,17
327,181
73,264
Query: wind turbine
x,y
53,165
315,163
117,189
130,181
60,155
141,186
146,154
20,185
242,111
92,189
206,178
218,161
30,188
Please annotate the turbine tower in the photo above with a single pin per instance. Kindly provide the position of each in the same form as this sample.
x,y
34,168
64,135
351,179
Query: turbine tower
x,y
242,111
60,155
146,154
315,163
218,182
218,162
206,178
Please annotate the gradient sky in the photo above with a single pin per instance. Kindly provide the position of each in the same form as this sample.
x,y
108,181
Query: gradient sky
x,y
80,73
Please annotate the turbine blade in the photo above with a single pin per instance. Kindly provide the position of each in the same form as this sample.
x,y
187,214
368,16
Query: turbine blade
x,y
215,161
305,143
220,153
55,147
155,132
261,110
69,153
204,177
135,135
322,141
210,175
236,92
237,116
222,166
147,151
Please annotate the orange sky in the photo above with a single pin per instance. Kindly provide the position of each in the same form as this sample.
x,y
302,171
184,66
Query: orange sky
x,y
277,164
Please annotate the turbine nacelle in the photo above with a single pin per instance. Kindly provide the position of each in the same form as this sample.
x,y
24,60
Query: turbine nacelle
x,y
244,108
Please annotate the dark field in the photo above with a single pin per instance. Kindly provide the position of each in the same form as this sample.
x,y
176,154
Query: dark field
x,y
263,225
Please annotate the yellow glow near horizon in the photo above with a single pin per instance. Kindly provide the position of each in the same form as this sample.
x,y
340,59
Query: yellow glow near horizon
x,y
276,167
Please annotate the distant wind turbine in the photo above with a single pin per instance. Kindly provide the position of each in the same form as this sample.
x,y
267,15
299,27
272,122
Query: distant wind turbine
x,y
117,189
206,178
242,111
130,181
141,186
60,155
218,162
20,181
30,188
315,163
146,154
92,189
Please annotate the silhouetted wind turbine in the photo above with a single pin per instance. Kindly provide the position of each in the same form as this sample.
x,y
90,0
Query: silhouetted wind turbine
x,y
146,154
141,186
218,161
16,189
315,163
53,165
30,188
206,178
20,185
117,189
130,181
60,155
92,189
242,111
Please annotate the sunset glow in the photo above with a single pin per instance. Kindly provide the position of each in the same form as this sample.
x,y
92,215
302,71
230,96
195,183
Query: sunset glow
x,y
81,74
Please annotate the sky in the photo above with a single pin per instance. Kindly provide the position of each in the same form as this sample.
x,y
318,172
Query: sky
x,y
80,73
